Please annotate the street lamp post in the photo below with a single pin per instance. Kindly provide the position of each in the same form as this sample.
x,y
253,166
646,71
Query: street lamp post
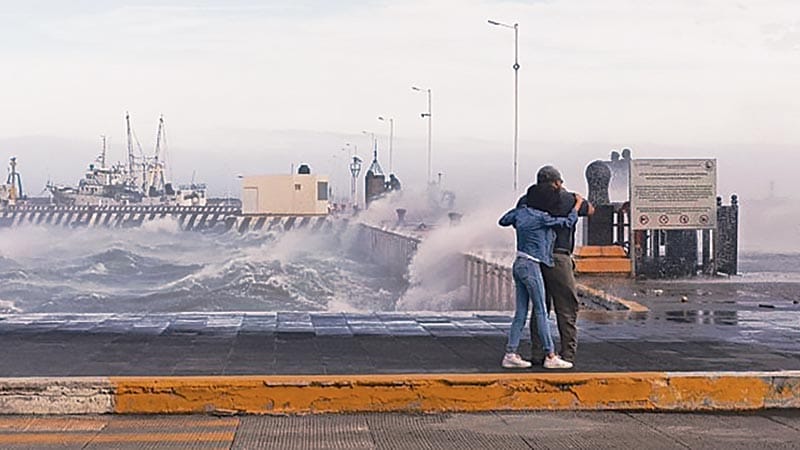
x,y
515,27
355,169
334,178
428,115
391,138
374,143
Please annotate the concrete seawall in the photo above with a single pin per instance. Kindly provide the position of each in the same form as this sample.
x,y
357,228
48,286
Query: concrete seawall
x,y
390,249
189,218
489,281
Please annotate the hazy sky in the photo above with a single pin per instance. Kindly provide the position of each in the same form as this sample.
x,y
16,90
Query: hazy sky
x,y
255,85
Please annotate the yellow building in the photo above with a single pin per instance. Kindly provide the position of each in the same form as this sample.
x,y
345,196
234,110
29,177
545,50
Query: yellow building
x,y
295,195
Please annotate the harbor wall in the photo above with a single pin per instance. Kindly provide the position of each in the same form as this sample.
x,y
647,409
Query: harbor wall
x,y
189,218
389,249
489,283
487,278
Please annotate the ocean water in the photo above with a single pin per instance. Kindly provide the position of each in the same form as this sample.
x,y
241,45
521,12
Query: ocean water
x,y
158,268
769,266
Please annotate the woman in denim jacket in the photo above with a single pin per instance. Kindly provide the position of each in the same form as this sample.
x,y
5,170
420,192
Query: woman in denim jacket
x,y
535,240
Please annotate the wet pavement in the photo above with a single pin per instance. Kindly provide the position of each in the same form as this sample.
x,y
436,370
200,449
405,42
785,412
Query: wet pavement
x,y
507,430
690,326
311,343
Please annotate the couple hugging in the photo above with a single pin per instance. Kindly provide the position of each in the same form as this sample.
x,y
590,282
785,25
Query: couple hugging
x,y
544,220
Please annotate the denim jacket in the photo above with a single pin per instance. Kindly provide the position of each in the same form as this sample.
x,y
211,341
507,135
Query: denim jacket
x,y
535,231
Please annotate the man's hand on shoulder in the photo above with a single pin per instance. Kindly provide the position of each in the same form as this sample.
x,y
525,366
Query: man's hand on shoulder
x,y
585,208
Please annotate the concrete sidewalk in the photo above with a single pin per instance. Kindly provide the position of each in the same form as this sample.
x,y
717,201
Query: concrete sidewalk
x,y
710,331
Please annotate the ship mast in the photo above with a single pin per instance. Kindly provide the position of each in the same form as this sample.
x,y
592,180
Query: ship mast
x,y
103,155
165,150
131,161
158,136
155,173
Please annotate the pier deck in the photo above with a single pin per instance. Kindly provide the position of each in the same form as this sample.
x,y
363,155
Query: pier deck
x,y
718,349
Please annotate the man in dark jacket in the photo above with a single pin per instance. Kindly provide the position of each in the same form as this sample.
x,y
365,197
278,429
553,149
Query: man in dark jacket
x,y
559,280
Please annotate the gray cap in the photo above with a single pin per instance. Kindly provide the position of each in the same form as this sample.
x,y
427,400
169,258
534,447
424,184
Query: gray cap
x,y
548,174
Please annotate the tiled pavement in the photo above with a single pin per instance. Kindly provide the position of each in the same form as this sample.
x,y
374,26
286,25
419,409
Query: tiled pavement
x,y
506,430
343,343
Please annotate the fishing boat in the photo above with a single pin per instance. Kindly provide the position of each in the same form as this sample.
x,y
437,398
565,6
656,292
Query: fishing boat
x,y
142,181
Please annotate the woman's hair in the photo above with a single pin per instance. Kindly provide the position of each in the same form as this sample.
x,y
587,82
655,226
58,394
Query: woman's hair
x,y
543,197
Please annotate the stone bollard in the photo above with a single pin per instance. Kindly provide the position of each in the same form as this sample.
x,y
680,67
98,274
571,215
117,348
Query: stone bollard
x,y
455,218
599,229
598,177
401,216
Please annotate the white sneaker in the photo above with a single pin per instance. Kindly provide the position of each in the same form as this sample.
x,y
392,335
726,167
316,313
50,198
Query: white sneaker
x,y
514,361
556,363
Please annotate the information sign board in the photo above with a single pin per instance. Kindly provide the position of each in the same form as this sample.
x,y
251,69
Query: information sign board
x,y
673,194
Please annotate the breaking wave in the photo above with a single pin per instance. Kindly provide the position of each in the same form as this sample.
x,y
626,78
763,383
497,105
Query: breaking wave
x,y
158,268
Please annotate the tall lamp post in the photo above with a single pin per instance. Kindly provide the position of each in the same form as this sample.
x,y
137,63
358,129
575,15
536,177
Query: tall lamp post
x,y
514,27
374,143
428,115
355,169
391,137
333,176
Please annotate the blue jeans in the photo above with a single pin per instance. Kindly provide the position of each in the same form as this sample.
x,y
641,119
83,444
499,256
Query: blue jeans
x,y
530,287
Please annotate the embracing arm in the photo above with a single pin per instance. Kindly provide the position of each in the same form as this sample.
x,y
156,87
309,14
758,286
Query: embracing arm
x,y
509,218
586,210
570,220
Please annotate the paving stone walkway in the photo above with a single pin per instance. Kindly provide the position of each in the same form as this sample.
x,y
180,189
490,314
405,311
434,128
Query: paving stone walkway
x,y
344,343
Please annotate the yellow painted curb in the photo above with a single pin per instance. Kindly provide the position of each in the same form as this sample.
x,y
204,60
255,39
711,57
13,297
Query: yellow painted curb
x,y
631,305
457,392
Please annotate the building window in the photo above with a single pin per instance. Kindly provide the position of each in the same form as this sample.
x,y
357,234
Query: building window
x,y
322,190
297,187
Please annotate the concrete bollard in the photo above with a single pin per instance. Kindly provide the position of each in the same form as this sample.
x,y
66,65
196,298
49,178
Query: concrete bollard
x,y
455,218
401,216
